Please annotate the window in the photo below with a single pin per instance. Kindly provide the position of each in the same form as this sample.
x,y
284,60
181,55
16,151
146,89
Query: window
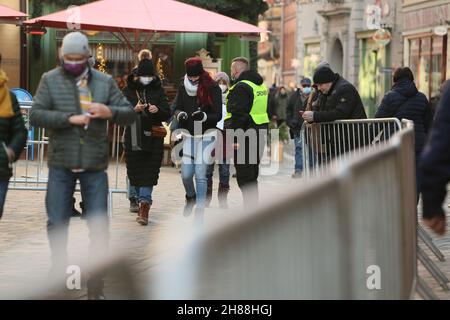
x,y
427,60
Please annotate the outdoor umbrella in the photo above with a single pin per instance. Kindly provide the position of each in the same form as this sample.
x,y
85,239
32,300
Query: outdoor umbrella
x,y
136,16
8,15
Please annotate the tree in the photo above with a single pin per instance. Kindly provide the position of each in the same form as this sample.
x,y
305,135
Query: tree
x,y
244,10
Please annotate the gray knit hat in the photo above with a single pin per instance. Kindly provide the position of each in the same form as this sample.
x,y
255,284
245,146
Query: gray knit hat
x,y
75,43
222,76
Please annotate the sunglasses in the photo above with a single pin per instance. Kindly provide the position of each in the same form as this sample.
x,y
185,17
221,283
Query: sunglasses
x,y
306,86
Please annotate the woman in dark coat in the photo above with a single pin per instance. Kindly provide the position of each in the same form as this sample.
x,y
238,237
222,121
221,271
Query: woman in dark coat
x,y
404,101
144,147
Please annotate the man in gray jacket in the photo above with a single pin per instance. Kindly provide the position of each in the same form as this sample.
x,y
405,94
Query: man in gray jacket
x,y
74,102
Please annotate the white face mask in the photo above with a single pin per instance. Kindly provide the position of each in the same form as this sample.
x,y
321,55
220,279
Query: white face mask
x,y
145,80
224,87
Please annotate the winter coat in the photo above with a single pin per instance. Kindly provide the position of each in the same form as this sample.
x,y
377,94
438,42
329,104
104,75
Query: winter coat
x,y
297,103
404,101
240,102
14,134
281,104
342,102
73,147
435,161
189,104
143,166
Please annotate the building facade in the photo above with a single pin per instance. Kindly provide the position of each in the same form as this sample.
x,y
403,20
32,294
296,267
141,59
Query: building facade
x,y
426,41
342,33
10,46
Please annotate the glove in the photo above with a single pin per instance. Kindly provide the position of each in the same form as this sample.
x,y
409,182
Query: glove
x,y
182,116
199,116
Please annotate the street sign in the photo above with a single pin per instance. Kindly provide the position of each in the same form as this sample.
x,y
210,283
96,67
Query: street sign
x,y
373,20
386,70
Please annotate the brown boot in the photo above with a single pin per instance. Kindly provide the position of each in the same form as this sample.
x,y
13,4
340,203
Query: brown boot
x,y
223,195
144,209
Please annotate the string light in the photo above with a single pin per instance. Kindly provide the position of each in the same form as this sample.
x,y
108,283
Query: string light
x,y
101,58
160,70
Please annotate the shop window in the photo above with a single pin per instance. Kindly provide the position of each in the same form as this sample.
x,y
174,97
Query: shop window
x,y
311,59
428,63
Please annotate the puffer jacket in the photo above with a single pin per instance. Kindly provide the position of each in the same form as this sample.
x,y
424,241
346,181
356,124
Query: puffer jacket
x,y
57,99
404,101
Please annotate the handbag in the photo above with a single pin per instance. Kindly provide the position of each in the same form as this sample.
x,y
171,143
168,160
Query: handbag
x,y
159,132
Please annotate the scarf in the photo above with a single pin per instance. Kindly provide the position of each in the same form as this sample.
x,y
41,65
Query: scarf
x,y
191,90
6,107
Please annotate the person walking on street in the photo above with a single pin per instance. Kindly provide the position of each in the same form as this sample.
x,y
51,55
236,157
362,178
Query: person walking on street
x,y
75,102
13,134
133,191
404,101
198,109
296,105
144,143
221,149
434,167
247,111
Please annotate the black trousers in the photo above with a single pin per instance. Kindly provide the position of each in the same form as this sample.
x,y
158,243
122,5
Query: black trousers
x,y
247,160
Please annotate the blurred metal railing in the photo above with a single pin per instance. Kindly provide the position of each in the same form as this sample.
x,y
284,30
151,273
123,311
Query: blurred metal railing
x,y
349,235
31,173
326,144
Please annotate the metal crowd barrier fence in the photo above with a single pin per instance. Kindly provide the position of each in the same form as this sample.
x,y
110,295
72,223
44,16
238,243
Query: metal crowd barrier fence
x,y
31,173
326,144
349,235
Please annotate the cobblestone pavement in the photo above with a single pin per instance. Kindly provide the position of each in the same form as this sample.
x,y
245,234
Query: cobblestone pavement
x,y
24,253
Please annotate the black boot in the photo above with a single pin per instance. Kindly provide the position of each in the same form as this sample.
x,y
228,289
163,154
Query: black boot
x,y
189,206
134,205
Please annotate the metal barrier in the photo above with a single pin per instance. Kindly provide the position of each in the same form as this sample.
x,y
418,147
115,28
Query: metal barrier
x,y
31,173
324,144
349,235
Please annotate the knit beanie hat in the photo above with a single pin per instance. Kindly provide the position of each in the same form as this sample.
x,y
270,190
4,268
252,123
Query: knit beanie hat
x,y
146,68
75,43
323,75
194,67
222,76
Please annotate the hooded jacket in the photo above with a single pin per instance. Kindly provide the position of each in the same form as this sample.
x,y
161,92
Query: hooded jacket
x,y
404,101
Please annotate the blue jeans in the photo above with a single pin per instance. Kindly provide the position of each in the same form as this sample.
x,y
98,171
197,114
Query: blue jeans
x,y
59,204
298,153
224,173
142,194
3,190
196,159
